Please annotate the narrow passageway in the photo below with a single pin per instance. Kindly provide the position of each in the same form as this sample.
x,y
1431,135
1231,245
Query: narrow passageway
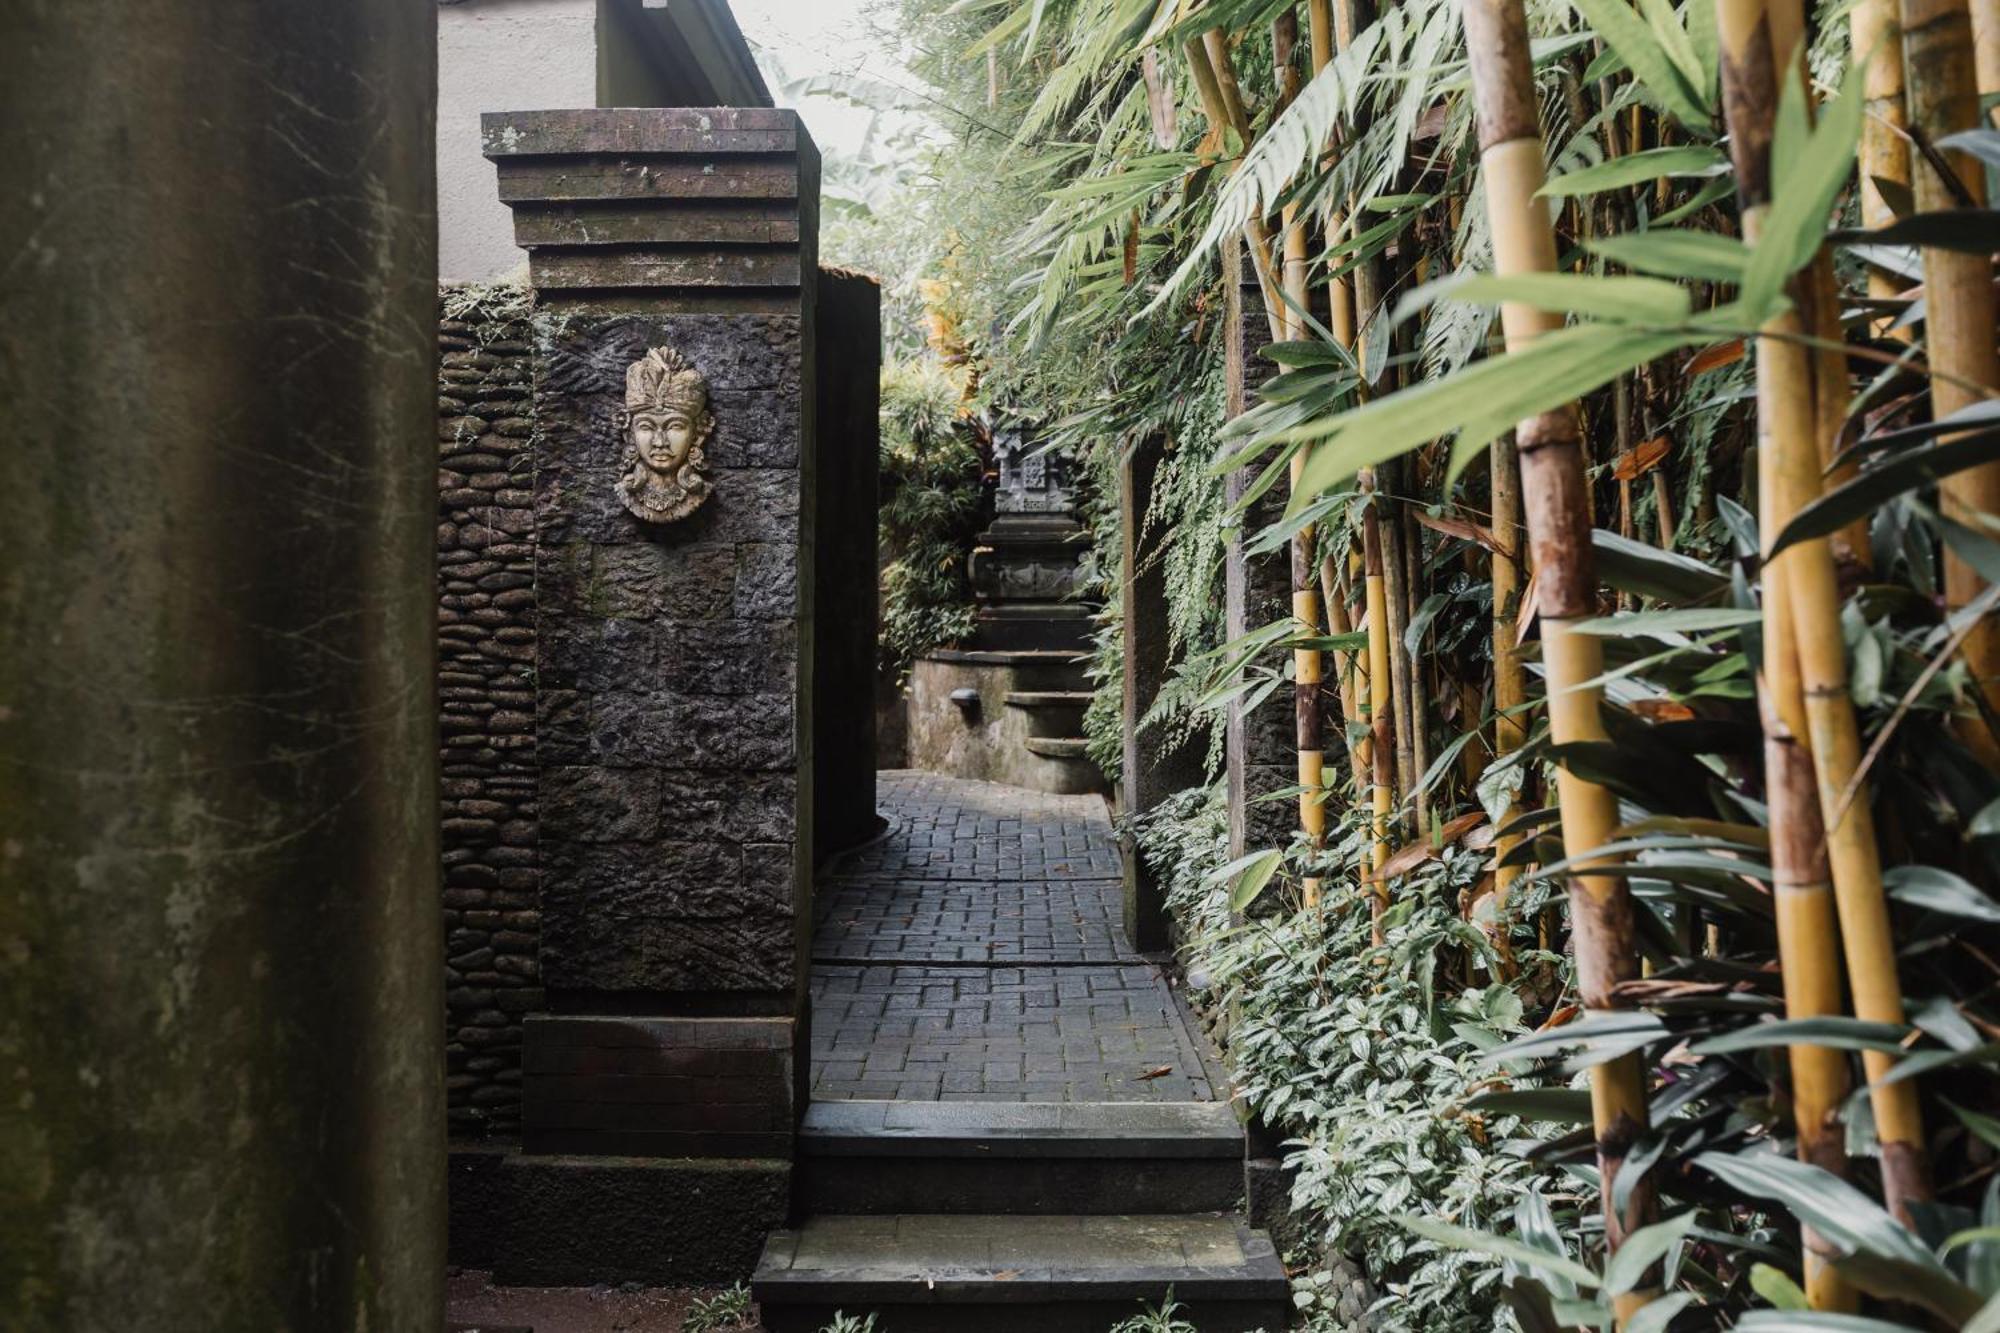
x,y
976,953
1014,1122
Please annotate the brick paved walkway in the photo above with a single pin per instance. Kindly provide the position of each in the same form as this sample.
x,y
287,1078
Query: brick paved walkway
x,y
975,953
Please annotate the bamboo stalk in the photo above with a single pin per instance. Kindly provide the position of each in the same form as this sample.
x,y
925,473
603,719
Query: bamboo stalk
x,y
1875,34
1306,661
1802,585
1222,111
1510,677
1382,738
1395,584
1350,673
1808,939
1558,513
1420,758
1942,93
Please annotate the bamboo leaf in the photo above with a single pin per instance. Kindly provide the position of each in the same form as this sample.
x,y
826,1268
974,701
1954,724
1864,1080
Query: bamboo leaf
x,y
1874,1250
1487,396
1973,231
1658,1313
1803,192
1688,621
1777,1287
1570,1106
1641,1250
1936,889
1253,874
1805,1321
1844,1034
1983,144
1682,254
1634,567
1635,169
1636,44
1911,470
1625,299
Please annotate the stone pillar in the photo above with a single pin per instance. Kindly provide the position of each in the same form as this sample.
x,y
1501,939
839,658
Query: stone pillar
x,y
1156,766
849,341
1262,741
672,254
220,994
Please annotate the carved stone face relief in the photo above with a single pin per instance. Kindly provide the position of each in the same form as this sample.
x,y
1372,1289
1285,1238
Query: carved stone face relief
x,y
665,423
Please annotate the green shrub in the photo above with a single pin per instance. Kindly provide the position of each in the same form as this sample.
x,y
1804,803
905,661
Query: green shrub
x,y
930,507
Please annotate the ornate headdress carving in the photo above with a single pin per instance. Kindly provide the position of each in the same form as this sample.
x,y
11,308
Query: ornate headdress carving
x,y
664,424
661,380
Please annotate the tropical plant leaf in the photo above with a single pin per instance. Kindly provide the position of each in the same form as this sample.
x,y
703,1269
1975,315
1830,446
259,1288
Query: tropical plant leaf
x,y
1900,474
1974,231
1875,1251
1638,45
1642,1249
1846,1034
1803,191
1936,889
1691,620
1676,253
1635,567
1501,1247
1636,168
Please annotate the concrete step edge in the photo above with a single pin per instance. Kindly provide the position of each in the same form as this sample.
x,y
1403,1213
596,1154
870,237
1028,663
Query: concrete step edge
x,y
1027,1129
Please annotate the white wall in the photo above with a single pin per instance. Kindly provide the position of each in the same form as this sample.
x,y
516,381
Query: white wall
x,y
499,55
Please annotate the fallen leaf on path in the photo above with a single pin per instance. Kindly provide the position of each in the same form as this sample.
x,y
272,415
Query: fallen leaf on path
x,y
1151,1074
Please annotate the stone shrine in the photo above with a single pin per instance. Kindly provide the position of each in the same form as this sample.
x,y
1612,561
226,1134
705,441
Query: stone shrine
x,y
1024,570
1008,707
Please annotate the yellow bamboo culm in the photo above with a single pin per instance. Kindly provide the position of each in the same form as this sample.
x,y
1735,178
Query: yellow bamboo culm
x,y
1381,736
1875,34
1307,664
1557,509
1222,112
1803,615
1941,88
1791,421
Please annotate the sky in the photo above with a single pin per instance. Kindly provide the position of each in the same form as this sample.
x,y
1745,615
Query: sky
x,y
817,38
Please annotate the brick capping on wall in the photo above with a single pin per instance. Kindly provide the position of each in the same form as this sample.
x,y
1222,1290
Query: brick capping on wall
x,y
486,701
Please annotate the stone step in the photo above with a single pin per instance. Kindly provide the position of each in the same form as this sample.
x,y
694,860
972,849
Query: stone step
x,y
1019,1158
1058,747
923,1273
1034,699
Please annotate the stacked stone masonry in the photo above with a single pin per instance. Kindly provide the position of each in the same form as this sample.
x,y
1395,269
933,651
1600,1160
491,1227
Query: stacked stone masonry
x,y
486,702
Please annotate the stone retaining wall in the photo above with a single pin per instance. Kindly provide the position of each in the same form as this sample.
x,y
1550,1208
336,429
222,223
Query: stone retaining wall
x,y
486,701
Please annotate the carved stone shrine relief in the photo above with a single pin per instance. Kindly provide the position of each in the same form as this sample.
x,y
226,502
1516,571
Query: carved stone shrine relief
x,y
665,423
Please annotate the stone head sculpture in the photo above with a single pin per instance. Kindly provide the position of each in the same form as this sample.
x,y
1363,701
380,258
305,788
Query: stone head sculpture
x,y
665,423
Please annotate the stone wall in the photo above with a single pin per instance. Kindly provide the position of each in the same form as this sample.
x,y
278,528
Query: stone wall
x,y
486,700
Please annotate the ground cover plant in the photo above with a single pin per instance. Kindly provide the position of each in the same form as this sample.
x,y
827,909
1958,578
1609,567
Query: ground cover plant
x,y
1636,419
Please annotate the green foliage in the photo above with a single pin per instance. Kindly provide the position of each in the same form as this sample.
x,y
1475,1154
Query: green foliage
x,y
849,1323
1438,1122
1162,1318
726,1309
930,507
1363,1059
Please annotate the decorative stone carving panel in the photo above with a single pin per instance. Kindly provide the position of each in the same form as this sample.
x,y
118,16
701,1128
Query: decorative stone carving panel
x,y
665,425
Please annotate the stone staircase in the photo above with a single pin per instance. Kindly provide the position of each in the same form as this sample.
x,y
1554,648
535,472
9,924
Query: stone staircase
x,y
959,1217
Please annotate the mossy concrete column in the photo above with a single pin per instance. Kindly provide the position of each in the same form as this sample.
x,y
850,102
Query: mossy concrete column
x,y
220,997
